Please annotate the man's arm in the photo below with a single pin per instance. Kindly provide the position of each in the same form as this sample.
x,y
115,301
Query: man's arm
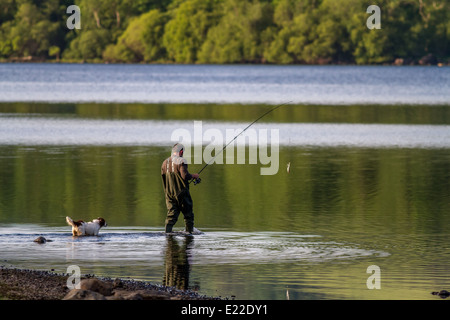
x,y
185,173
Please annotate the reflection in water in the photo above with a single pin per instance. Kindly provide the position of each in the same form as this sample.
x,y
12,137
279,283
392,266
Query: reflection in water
x,y
177,266
248,265
360,198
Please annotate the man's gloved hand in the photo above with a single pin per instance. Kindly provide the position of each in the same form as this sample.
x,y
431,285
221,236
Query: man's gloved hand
x,y
196,178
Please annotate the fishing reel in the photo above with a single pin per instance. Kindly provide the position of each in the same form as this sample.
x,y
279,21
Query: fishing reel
x,y
197,181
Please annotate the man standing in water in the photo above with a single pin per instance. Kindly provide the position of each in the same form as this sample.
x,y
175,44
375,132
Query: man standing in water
x,y
175,177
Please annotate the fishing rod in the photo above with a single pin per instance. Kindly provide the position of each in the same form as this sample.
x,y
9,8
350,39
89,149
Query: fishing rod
x,y
198,180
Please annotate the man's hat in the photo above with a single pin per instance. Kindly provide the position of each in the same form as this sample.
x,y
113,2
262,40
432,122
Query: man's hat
x,y
177,148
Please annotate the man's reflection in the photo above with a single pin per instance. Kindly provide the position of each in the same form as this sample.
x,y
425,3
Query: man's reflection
x,y
177,265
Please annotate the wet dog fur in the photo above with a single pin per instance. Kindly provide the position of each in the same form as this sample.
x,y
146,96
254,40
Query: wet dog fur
x,y
82,228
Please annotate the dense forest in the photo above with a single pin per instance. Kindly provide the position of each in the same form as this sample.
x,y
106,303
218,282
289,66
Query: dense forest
x,y
226,31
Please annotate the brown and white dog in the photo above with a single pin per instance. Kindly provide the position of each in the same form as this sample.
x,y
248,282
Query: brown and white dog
x,y
81,228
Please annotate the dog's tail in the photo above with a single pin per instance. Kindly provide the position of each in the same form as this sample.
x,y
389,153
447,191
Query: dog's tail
x,y
70,221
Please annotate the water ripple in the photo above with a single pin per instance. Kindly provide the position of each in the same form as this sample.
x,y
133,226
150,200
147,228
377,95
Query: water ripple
x,y
143,248
32,131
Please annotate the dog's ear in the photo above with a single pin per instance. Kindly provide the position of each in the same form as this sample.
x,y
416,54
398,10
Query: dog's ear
x,y
101,221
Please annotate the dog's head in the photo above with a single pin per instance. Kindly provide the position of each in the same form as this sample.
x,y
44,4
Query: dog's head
x,y
101,222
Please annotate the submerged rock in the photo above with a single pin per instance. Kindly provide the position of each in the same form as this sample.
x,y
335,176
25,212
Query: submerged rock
x,y
42,240
442,293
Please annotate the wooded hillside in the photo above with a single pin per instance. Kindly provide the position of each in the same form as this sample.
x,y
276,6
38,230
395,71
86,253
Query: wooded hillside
x,y
226,31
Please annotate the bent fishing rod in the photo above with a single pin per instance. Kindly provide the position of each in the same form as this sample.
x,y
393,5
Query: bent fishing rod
x,y
198,180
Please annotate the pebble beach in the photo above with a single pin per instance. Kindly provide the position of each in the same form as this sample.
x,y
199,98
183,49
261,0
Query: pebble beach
x,y
26,284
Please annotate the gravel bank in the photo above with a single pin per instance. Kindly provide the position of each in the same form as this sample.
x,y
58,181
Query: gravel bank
x,y
25,284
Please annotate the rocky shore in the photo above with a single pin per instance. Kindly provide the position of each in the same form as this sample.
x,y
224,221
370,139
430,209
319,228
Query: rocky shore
x,y
25,284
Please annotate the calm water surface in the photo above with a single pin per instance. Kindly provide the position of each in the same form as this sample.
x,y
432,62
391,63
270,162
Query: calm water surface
x,y
224,84
368,185
312,232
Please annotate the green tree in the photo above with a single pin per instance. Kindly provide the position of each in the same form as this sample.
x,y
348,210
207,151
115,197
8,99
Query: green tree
x,y
103,21
31,32
238,36
434,27
409,31
186,32
226,31
295,22
368,46
88,45
54,51
6,46
141,41
8,9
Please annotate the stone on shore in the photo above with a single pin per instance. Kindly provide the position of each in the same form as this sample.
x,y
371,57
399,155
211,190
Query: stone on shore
x,y
96,285
26,284
81,294
95,289
429,59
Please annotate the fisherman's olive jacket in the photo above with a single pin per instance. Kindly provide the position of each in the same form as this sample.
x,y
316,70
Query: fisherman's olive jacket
x,y
175,176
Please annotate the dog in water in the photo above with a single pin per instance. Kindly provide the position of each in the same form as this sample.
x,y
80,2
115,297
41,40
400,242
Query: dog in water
x,y
81,228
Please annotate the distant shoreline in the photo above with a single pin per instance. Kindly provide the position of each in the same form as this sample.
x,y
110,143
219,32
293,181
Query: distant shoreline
x,y
397,62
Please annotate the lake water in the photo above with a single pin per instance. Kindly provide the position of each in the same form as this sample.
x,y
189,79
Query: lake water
x,y
369,183
224,84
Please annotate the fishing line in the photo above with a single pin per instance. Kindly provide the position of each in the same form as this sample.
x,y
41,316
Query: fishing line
x,y
198,180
